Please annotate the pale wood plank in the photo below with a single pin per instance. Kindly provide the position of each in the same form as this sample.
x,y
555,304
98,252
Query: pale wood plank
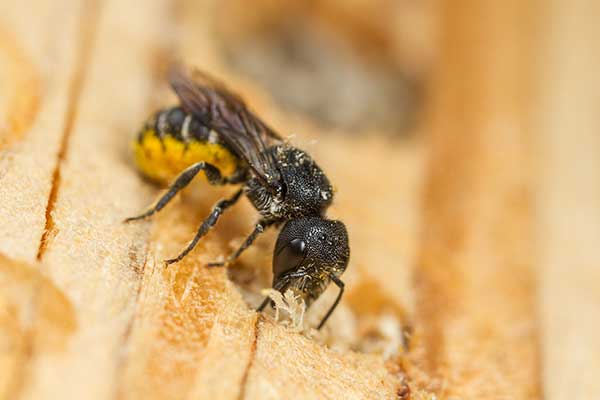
x,y
34,316
34,103
194,336
569,199
476,311
91,256
142,331
289,366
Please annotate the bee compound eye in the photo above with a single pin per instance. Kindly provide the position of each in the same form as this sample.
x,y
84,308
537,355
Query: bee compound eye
x,y
289,256
297,246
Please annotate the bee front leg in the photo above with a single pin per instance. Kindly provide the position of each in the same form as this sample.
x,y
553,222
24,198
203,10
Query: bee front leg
x,y
212,173
266,301
208,223
258,229
340,285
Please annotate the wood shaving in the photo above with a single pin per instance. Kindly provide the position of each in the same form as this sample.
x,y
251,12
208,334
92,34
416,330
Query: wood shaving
x,y
291,304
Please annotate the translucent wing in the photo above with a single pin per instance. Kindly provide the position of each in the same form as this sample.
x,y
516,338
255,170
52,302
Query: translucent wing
x,y
215,106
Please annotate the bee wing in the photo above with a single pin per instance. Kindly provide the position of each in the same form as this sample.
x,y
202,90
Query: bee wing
x,y
215,106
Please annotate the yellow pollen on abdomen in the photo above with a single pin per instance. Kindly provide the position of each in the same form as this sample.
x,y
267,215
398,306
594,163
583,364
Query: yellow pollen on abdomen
x,y
162,161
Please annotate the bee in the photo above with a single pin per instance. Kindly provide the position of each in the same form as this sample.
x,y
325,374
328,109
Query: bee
x,y
212,131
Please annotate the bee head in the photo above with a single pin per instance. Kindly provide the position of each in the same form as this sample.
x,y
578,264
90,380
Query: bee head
x,y
307,252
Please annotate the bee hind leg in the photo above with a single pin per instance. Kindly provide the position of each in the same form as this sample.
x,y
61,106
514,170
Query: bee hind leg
x,y
212,173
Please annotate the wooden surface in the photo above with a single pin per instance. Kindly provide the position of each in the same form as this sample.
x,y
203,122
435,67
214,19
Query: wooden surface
x,y
481,232
475,273
569,201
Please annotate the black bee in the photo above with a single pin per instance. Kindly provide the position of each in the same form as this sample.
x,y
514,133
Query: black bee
x,y
213,131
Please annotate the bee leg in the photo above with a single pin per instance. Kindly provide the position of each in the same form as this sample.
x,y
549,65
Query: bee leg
x,y
339,284
208,223
212,173
262,306
240,176
258,229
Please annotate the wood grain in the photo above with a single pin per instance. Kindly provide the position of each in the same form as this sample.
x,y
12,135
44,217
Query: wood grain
x,y
139,330
451,231
35,316
29,156
475,288
569,200
89,254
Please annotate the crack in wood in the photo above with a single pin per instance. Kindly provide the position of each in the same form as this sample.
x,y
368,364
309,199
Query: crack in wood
x,y
87,29
123,359
251,358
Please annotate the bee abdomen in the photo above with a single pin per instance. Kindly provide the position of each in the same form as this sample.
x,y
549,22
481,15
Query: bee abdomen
x,y
177,123
172,140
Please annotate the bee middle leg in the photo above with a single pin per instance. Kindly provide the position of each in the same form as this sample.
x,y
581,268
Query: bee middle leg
x,y
207,224
212,173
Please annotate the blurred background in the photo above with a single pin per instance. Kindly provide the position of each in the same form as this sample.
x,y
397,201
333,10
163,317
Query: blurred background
x,y
463,138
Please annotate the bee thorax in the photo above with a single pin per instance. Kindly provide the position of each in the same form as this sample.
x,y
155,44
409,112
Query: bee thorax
x,y
268,205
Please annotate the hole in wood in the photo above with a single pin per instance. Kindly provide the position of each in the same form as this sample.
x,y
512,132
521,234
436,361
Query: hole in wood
x,y
341,75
